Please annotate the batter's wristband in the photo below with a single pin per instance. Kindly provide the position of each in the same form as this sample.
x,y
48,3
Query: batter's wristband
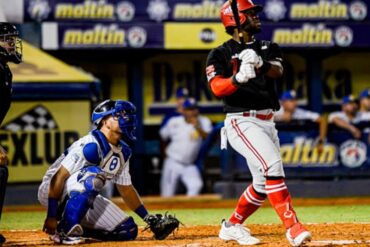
x,y
141,211
234,81
265,67
52,207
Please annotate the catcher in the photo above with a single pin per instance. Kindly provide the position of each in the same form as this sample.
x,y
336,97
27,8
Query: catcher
x,y
70,188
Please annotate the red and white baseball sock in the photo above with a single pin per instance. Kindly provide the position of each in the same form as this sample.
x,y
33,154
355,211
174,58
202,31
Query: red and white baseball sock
x,y
280,199
248,203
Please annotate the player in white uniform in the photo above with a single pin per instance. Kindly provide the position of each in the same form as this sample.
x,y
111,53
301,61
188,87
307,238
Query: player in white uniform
x,y
365,101
185,134
289,111
349,116
70,188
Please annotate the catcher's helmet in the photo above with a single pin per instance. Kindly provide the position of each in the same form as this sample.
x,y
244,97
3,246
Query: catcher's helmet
x,y
10,43
227,16
124,111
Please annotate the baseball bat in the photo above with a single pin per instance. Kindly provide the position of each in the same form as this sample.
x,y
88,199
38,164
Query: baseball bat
x,y
234,8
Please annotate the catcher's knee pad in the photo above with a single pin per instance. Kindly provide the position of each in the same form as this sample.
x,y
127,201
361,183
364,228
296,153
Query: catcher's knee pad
x,y
127,230
79,202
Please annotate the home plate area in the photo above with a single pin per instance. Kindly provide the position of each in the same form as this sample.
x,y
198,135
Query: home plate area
x,y
342,234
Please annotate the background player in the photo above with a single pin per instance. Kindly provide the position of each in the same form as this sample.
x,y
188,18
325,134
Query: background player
x,y
71,185
184,135
244,76
289,111
349,117
10,51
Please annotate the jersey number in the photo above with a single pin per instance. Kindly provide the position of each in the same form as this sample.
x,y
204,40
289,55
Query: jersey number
x,y
113,164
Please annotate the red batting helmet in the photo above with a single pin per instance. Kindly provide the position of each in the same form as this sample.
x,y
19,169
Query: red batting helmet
x,y
227,16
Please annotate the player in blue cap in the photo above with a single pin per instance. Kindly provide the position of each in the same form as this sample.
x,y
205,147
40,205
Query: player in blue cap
x,y
183,135
365,101
290,111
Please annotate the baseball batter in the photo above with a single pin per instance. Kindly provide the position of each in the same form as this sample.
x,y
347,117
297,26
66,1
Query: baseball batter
x,y
244,77
70,188
185,134
10,51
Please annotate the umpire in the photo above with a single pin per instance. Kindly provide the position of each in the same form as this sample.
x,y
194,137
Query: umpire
x,y
10,51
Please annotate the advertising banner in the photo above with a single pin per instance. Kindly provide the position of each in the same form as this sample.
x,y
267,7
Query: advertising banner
x,y
190,10
36,133
198,35
341,152
101,35
308,35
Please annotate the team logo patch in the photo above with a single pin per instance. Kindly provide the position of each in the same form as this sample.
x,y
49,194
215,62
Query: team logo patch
x,y
358,10
39,9
125,11
137,37
207,35
343,36
158,10
353,153
275,10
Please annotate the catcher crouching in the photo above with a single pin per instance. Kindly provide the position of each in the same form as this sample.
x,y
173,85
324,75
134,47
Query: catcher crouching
x,y
70,188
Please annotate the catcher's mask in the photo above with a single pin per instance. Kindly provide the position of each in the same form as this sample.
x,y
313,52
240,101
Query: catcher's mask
x,y
123,111
10,43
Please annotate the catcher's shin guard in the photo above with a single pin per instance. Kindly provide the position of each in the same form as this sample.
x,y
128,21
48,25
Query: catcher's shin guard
x,y
3,181
79,202
127,230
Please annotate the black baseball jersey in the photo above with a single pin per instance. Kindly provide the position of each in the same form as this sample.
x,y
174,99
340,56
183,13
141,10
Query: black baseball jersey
x,y
258,93
5,89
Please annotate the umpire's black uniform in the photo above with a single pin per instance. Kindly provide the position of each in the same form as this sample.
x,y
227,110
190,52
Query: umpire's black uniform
x,y
10,51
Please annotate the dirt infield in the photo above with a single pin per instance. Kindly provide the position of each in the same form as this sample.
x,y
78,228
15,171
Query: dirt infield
x,y
270,235
343,234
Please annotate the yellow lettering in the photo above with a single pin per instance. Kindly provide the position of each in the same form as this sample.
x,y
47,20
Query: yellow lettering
x,y
286,152
99,35
320,10
307,35
204,10
86,10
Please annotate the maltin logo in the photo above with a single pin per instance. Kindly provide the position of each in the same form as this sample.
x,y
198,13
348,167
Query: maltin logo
x,y
207,35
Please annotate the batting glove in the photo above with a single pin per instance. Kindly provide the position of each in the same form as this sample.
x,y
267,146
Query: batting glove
x,y
250,56
246,72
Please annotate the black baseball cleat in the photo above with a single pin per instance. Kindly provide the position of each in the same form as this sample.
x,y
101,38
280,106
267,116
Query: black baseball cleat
x,y
2,238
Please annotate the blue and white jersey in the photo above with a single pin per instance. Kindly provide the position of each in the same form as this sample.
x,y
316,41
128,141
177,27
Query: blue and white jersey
x,y
298,114
94,150
359,117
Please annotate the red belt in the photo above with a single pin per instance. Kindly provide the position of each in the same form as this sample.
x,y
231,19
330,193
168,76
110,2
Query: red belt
x,y
259,116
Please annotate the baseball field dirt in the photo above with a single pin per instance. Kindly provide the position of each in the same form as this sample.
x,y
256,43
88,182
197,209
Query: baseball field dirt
x,y
330,234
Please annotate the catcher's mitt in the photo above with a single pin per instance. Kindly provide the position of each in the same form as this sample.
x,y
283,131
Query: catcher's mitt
x,y
160,225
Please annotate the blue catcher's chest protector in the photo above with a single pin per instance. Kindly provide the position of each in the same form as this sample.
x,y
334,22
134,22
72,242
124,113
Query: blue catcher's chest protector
x,y
106,162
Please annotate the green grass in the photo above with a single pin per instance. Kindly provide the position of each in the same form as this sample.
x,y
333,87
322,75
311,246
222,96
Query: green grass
x,y
312,214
